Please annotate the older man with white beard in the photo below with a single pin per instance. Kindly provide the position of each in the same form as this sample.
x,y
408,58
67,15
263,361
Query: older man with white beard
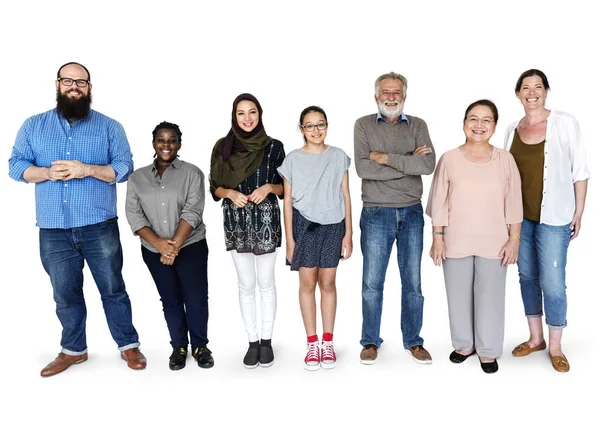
x,y
392,151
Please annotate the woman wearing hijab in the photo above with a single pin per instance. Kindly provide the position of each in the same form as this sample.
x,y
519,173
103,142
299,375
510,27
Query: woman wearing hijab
x,y
243,172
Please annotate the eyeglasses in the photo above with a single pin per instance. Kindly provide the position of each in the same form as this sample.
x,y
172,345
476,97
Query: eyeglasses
x,y
485,121
311,127
69,82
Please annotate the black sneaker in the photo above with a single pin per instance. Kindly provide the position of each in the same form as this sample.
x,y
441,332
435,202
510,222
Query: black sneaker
x,y
252,356
266,356
178,358
204,357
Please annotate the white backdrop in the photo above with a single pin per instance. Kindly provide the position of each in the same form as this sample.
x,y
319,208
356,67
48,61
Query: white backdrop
x,y
153,61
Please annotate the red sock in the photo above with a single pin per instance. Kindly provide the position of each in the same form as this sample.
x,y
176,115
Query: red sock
x,y
327,337
312,338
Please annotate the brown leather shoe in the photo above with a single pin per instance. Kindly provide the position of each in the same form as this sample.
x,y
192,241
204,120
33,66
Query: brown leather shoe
x,y
419,354
62,362
134,357
368,355
560,363
524,349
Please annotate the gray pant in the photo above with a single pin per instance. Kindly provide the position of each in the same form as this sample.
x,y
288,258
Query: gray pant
x,y
475,290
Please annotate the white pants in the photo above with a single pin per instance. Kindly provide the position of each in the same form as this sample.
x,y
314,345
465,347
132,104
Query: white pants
x,y
250,270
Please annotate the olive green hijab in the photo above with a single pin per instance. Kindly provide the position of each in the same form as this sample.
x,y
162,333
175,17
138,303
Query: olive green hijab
x,y
240,153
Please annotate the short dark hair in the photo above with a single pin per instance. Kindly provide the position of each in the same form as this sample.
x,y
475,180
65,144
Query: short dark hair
x,y
531,73
89,78
169,126
483,102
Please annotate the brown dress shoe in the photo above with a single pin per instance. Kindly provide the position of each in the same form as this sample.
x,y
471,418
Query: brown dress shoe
x,y
368,355
524,349
62,362
134,357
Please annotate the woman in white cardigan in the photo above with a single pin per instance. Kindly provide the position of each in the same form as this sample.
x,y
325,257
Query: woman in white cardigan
x,y
550,154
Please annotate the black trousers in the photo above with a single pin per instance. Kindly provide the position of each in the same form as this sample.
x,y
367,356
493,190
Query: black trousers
x,y
183,289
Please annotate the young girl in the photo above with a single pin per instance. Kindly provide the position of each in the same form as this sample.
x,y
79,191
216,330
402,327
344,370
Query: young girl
x,y
318,227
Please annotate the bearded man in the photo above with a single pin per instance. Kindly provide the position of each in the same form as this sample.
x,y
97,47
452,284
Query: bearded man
x,y
392,151
75,156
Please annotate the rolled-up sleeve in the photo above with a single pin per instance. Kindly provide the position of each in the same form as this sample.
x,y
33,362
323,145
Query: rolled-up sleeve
x,y
120,154
579,170
513,200
134,210
437,204
194,202
22,156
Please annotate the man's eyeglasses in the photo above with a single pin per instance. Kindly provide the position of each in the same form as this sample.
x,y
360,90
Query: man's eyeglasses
x,y
69,82
311,127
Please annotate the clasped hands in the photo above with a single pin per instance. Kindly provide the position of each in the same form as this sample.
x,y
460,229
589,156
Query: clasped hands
x,y
168,249
257,196
67,170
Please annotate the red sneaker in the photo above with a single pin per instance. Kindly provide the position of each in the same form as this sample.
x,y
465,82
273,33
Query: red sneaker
x,y
327,355
312,361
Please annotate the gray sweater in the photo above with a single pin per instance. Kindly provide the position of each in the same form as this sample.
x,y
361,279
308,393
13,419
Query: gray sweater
x,y
397,184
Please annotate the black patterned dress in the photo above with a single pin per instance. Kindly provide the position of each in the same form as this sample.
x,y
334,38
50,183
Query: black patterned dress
x,y
256,228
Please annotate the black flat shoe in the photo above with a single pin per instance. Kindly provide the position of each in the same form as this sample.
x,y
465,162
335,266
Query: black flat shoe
x,y
489,367
178,358
252,357
456,357
204,357
266,356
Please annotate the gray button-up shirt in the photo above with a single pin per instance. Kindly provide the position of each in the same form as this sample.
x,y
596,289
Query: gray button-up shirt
x,y
159,203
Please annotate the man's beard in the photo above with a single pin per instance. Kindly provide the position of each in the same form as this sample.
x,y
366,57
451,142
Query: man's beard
x,y
390,111
71,108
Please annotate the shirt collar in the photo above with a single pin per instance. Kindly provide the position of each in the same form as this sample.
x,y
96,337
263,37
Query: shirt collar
x,y
175,164
380,118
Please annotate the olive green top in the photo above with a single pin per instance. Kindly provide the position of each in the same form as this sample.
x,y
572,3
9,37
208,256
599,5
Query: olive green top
x,y
530,161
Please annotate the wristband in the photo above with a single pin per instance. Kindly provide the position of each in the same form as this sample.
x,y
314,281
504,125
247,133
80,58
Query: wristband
x,y
437,233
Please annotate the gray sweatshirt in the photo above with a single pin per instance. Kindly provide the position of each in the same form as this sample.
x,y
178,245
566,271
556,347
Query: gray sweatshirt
x,y
397,184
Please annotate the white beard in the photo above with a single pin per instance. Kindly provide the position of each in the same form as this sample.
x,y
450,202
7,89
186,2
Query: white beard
x,y
390,111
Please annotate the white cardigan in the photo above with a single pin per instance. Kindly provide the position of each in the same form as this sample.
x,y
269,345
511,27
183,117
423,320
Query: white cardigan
x,y
564,164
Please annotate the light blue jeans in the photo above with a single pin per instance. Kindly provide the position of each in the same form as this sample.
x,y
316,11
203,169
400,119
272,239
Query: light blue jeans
x,y
542,271
380,228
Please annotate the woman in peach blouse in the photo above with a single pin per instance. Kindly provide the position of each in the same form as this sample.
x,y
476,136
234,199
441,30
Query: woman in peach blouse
x,y
476,212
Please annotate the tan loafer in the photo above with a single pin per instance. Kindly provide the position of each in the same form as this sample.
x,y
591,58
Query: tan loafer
x,y
524,349
560,363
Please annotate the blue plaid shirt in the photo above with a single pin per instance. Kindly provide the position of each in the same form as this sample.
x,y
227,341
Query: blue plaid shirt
x,y
97,140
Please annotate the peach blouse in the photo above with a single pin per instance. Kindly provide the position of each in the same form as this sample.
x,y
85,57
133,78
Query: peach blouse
x,y
475,202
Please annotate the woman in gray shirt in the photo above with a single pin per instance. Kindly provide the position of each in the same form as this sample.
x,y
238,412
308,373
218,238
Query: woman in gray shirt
x,y
164,208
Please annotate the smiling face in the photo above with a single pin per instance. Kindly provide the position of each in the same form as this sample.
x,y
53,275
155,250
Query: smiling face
x,y
166,145
479,125
390,98
74,72
532,93
313,120
247,116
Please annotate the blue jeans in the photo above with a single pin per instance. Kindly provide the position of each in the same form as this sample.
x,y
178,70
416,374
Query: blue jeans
x,y
380,227
183,290
63,252
542,271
